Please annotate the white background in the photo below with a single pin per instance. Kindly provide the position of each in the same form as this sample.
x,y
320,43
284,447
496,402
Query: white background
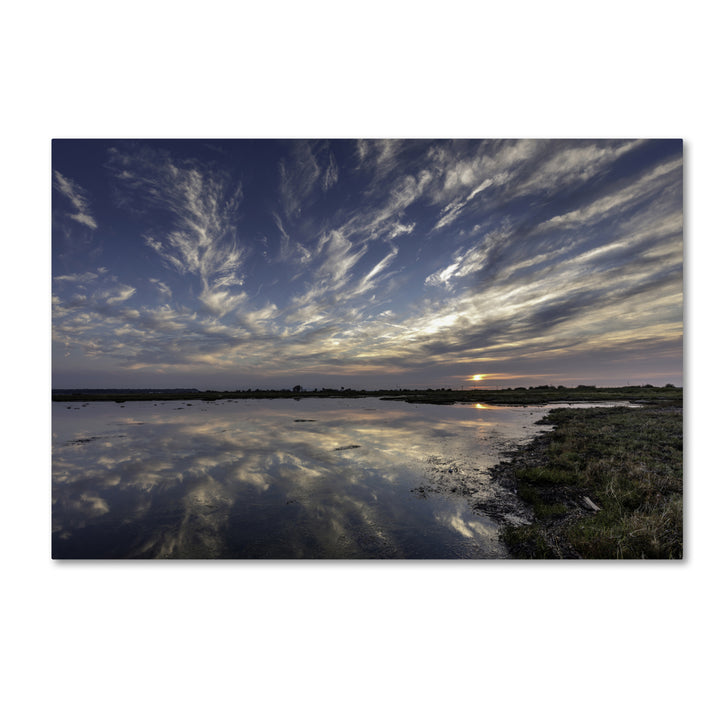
x,y
363,639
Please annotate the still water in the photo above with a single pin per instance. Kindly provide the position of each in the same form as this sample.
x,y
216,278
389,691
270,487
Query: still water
x,y
316,478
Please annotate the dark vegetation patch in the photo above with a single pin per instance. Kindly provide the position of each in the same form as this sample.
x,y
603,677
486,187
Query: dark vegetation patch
x,y
539,395
85,440
605,483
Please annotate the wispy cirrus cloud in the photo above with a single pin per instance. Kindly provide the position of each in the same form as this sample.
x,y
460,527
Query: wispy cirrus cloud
x,y
566,164
162,287
298,176
390,255
201,205
77,277
309,166
331,174
630,193
379,157
577,296
78,199
453,209
492,172
289,250
338,256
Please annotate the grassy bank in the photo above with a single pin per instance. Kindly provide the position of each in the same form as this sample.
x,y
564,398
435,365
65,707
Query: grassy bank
x,y
605,483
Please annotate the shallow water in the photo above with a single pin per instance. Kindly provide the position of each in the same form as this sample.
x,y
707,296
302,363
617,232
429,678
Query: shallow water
x,y
318,478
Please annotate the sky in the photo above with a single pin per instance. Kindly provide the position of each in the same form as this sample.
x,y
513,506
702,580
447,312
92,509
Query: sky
x,y
235,264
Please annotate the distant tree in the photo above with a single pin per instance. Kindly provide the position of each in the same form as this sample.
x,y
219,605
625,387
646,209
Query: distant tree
x,y
297,389
669,385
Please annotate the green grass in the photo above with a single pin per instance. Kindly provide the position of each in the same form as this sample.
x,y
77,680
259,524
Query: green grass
x,y
628,461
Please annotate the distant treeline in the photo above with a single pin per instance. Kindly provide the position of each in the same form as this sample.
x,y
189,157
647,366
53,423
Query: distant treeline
x,y
538,395
123,391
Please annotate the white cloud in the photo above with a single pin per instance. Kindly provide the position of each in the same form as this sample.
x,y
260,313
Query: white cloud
x,y
288,249
572,164
281,228
298,178
442,277
451,211
471,260
204,206
635,191
120,294
84,219
221,302
400,229
339,256
371,279
77,277
77,197
162,287
362,149
331,173
379,156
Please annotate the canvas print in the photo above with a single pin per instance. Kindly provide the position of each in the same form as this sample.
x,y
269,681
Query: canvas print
x,y
367,349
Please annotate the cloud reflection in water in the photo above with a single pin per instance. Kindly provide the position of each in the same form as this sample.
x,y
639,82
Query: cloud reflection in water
x,y
246,480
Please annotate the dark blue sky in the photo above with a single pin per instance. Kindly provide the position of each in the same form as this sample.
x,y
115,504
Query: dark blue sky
x,y
264,263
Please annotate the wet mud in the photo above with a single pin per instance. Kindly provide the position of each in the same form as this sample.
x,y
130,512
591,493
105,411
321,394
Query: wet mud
x,y
482,490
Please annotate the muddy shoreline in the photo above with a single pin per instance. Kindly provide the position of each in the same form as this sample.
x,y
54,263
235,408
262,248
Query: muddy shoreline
x,y
505,474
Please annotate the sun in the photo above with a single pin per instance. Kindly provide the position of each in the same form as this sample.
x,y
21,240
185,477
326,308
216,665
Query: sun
x,y
478,377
